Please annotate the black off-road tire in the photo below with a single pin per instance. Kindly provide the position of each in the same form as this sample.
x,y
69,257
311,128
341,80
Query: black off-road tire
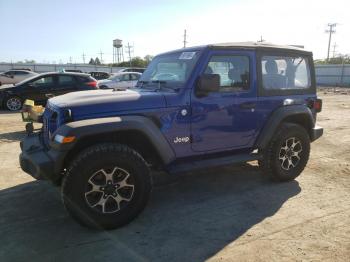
x,y
272,165
106,157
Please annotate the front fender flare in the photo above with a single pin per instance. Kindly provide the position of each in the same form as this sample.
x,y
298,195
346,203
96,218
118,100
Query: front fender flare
x,y
90,127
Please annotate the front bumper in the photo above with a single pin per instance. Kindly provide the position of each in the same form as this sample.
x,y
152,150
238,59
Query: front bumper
x,y
39,162
316,133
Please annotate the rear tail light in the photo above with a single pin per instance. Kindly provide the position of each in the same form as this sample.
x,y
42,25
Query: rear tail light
x,y
318,105
93,84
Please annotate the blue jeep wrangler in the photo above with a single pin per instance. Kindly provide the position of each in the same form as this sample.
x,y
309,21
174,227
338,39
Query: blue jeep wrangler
x,y
192,108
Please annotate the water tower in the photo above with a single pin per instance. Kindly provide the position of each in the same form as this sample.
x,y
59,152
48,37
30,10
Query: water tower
x,y
118,54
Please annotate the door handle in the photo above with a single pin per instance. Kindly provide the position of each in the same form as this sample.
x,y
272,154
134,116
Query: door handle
x,y
247,105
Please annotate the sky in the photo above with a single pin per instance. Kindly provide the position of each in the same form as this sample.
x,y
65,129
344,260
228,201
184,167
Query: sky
x,y
63,30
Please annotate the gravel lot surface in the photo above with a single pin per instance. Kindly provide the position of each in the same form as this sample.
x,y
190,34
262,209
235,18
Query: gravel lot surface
x,y
227,214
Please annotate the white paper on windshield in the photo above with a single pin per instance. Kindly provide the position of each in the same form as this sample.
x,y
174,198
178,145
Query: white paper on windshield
x,y
187,55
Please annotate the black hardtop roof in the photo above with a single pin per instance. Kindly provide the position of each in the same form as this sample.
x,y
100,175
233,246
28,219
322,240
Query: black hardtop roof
x,y
246,46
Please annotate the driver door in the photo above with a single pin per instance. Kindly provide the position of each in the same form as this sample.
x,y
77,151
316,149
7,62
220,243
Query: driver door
x,y
226,119
124,81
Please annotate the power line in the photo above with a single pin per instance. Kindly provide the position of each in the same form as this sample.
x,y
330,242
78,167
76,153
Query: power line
x,y
185,38
330,31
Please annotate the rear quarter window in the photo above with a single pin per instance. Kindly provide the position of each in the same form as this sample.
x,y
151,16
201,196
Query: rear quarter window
x,y
285,74
64,80
84,79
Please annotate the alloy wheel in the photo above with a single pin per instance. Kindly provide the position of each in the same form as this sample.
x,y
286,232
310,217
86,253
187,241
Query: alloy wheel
x,y
14,104
289,155
109,190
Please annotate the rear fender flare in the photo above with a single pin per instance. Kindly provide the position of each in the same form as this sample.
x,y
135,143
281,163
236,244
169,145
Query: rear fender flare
x,y
280,115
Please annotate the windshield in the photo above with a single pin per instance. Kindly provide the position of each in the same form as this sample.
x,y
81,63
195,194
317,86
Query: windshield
x,y
172,70
26,80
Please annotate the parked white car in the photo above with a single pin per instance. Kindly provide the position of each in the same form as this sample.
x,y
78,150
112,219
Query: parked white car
x,y
122,80
133,69
15,76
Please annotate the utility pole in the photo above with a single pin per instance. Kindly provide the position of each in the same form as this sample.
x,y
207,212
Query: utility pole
x,y
83,55
334,49
185,38
70,59
261,39
100,53
330,31
129,47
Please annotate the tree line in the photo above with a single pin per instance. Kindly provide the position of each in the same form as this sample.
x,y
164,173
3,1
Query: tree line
x,y
341,59
135,62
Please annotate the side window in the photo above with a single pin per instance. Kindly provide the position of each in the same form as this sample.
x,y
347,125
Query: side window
x,y
83,79
134,77
125,77
285,73
20,73
65,80
43,82
233,71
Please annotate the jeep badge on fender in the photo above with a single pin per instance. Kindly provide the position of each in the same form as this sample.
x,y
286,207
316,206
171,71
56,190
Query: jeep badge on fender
x,y
185,139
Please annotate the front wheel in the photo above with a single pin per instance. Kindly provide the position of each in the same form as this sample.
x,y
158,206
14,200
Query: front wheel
x,y
287,153
13,103
106,186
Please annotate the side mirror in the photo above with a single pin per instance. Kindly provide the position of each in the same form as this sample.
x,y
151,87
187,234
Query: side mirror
x,y
207,83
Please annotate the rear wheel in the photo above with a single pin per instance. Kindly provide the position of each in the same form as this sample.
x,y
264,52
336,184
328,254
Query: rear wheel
x,y
13,103
107,186
287,154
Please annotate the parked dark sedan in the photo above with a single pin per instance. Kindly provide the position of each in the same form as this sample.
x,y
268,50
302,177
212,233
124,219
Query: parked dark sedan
x,y
44,86
100,75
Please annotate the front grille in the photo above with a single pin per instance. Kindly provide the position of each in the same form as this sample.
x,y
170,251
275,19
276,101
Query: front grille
x,y
50,119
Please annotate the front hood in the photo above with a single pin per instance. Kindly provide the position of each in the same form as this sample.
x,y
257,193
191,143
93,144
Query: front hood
x,y
7,88
106,102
